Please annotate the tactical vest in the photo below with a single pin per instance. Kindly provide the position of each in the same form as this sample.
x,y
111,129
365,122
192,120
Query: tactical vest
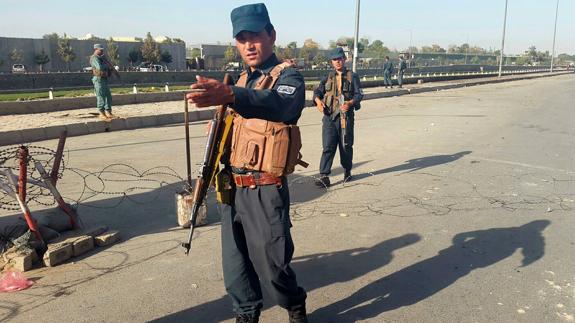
x,y
262,145
97,72
331,98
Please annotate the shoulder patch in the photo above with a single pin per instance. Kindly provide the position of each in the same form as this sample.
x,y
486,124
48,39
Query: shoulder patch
x,y
286,89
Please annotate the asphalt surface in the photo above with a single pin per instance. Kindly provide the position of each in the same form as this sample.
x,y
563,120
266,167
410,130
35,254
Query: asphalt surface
x,y
462,210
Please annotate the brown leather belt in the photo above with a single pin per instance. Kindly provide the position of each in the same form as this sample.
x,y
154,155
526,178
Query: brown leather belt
x,y
259,179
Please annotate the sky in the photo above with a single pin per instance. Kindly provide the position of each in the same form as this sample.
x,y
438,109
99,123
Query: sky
x,y
425,22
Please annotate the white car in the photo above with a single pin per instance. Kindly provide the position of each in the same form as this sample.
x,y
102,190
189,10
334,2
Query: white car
x,y
18,68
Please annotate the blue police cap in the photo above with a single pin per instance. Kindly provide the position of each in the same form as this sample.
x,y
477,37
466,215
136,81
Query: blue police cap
x,y
251,17
336,53
98,46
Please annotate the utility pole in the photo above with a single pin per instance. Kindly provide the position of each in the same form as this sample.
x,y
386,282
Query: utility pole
x,y
410,45
355,43
503,39
554,34
467,50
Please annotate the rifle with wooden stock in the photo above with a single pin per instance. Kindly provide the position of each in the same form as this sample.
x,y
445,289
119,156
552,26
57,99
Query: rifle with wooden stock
x,y
218,134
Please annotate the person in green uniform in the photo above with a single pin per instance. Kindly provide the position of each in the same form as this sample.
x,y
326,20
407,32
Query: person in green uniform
x,y
387,72
102,69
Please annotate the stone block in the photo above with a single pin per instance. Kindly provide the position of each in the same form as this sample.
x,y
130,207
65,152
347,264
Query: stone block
x,y
20,261
81,244
94,231
57,254
107,238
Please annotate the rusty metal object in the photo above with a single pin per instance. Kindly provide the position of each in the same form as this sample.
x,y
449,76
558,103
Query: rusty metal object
x,y
23,174
58,157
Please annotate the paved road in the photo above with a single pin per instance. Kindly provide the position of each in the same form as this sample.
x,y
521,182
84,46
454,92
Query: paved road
x,y
462,211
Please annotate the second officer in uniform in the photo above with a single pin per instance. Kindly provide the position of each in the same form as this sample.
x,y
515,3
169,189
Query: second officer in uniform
x,y
337,97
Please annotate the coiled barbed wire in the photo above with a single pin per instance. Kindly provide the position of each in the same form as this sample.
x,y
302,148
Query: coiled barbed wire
x,y
91,184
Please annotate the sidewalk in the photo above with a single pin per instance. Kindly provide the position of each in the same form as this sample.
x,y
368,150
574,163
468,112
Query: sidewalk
x,y
17,129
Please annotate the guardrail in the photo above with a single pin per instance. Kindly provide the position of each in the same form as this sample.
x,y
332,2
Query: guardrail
x,y
14,83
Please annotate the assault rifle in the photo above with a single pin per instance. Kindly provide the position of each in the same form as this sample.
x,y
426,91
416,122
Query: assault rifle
x,y
343,119
218,134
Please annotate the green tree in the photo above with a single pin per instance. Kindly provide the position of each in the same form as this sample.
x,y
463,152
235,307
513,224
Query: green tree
x,y
41,60
113,53
320,60
151,50
309,50
289,51
194,52
230,54
348,41
16,55
52,36
168,40
178,40
376,49
475,60
65,51
166,57
437,49
134,56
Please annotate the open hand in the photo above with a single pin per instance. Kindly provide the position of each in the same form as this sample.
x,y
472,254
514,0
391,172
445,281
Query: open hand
x,y
214,93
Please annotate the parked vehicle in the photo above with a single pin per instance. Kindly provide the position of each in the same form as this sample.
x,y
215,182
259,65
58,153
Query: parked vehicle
x,y
147,67
18,68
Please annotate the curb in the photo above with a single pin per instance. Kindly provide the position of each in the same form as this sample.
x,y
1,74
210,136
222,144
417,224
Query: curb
x,y
94,127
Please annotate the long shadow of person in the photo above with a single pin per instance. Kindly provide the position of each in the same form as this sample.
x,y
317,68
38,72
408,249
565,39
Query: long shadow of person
x,y
314,271
416,164
470,250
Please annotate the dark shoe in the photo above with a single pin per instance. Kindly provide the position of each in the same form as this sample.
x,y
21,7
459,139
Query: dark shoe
x,y
110,115
347,176
297,314
323,182
247,318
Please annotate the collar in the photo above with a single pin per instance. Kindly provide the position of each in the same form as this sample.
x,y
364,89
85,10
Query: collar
x,y
266,66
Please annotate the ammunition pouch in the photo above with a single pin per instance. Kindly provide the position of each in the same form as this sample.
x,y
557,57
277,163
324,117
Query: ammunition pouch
x,y
265,146
224,189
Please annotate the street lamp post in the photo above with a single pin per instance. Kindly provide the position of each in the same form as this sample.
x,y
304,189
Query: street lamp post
x,y
554,34
355,43
503,39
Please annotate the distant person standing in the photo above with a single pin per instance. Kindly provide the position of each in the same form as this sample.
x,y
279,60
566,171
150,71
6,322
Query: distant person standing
x,y
337,97
387,72
401,70
102,69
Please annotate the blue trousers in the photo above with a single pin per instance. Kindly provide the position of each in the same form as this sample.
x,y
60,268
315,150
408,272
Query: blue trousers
x,y
257,249
332,140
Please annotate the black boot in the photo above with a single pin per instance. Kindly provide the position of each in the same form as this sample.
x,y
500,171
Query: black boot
x,y
347,175
297,314
248,318
323,181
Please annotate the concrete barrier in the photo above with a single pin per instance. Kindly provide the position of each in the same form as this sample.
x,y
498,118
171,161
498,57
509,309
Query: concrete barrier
x,y
63,104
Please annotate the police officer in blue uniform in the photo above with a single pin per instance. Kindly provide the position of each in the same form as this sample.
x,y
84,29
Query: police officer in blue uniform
x,y
387,73
337,97
257,246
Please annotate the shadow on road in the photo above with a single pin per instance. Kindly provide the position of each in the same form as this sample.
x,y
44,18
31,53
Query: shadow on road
x,y
416,164
314,271
470,250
